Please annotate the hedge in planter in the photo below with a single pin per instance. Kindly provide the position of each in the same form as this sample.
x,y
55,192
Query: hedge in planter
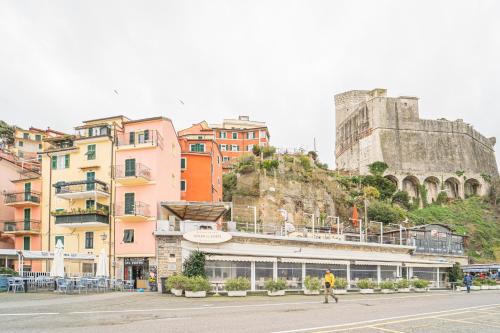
x,y
312,285
340,286
403,286
275,288
237,286
365,285
197,286
387,287
420,285
176,284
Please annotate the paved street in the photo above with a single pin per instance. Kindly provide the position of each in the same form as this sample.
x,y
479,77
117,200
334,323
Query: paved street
x,y
148,312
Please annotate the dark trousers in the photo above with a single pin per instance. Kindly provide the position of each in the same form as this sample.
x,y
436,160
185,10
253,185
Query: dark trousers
x,y
468,288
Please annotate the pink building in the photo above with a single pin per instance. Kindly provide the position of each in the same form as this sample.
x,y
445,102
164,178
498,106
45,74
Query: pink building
x,y
146,172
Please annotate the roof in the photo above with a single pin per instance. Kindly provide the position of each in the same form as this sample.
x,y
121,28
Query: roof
x,y
147,119
105,118
197,211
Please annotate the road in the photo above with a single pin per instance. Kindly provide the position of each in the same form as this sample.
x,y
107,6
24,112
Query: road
x,y
150,312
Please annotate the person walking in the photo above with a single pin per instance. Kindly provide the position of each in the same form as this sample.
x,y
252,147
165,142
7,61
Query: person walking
x,y
329,284
468,281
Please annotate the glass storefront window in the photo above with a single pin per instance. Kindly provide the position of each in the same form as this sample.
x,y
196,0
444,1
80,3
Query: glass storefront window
x,y
388,272
263,271
426,273
363,272
318,270
223,270
291,273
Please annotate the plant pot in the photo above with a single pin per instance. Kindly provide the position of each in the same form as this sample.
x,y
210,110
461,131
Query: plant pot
x,y
340,291
196,294
311,292
492,287
237,293
461,288
475,288
485,287
403,290
276,293
498,286
420,290
366,291
387,291
176,292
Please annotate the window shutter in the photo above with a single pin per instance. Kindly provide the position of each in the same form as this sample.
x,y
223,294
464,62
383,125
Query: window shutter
x,y
90,132
54,162
66,161
130,167
146,135
131,138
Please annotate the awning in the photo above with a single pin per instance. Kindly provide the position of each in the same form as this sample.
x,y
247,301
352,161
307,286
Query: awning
x,y
197,211
8,253
314,261
50,255
434,265
239,258
378,263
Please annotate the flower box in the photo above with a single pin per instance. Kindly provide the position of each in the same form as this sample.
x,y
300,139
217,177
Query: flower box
x,y
420,290
276,293
196,294
366,291
403,290
311,292
176,292
484,287
492,287
475,288
237,293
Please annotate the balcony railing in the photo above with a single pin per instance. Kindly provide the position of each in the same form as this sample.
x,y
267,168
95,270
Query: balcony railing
x,y
142,138
136,208
140,170
82,216
20,226
81,186
19,197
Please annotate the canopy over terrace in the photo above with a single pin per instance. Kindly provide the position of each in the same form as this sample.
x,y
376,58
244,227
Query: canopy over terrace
x,y
481,268
197,211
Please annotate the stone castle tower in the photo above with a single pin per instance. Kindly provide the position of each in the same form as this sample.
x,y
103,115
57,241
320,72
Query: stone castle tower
x,y
439,154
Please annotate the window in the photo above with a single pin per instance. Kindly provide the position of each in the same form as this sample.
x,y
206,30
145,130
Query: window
x,y
88,268
249,147
223,135
89,204
129,203
21,144
183,163
235,135
21,154
90,181
197,147
91,152
223,147
263,134
89,240
131,138
26,136
59,238
130,167
183,186
128,235
221,270
26,243
235,148
60,162
226,159
218,159
40,158
141,138
250,135
39,146
38,137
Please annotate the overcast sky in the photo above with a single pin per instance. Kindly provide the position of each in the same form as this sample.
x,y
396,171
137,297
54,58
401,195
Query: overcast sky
x,y
276,61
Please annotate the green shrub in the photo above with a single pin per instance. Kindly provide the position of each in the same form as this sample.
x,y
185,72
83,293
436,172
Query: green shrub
x,y
402,199
238,284
268,151
195,264
456,273
312,283
269,165
385,212
176,281
490,282
197,283
305,162
420,283
273,286
477,282
229,184
403,284
442,198
378,168
387,285
365,284
246,164
383,185
8,271
340,283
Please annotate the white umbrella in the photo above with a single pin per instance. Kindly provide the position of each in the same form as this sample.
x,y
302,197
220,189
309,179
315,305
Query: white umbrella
x,y
57,269
102,264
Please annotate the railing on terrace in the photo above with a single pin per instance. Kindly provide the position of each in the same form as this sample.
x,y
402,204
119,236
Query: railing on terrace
x,y
34,275
83,216
139,170
20,225
140,138
29,196
81,186
133,208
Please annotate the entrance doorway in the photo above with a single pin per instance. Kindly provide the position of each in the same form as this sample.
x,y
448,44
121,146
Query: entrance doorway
x,y
137,269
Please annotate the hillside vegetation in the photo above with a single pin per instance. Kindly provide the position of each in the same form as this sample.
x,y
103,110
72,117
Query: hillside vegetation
x,y
302,185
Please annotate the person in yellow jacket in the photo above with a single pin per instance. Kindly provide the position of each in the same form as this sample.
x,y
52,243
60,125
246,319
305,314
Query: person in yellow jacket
x,y
329,285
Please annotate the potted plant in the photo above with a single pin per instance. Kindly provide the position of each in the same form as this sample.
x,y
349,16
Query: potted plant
x,y
275,288
420,285
197,287
237,287
403,286
340,286
492,285
387,287
365,286
476,284
176,284
312,285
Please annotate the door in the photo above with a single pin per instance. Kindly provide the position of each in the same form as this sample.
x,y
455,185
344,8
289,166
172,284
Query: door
x,y
90,181
27,191
130,167
27,218
129,203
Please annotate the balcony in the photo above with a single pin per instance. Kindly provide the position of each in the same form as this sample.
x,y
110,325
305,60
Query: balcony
x,y
22,199
132,212
83,217
83,189
139,140
21,227
139,175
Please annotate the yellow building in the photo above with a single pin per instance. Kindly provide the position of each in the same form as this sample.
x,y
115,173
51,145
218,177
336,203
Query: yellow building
x,y
78,192
29,143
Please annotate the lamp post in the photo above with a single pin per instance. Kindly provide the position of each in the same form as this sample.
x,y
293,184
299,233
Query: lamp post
x,y
254,218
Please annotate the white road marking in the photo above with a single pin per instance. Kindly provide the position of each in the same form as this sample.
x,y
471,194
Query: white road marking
x,y
469,322
385,329
30,314
415,316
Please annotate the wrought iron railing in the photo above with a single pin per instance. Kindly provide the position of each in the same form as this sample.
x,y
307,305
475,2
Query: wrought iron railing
x,y
138,170
81,186
20,225
136,208
26,196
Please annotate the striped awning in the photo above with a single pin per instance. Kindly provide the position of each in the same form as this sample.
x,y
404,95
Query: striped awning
x,y
314,261
239,258
378,263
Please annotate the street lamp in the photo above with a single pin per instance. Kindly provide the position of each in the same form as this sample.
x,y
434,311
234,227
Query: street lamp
x,y
254,218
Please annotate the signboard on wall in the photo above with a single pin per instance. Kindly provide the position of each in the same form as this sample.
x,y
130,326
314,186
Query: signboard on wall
x,y
207,236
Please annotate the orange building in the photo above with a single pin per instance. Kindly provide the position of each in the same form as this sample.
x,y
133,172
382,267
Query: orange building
x,y
201,164
237,137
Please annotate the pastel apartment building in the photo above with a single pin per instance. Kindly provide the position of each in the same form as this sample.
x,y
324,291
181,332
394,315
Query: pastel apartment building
x,y
237,137
29,143
201,164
